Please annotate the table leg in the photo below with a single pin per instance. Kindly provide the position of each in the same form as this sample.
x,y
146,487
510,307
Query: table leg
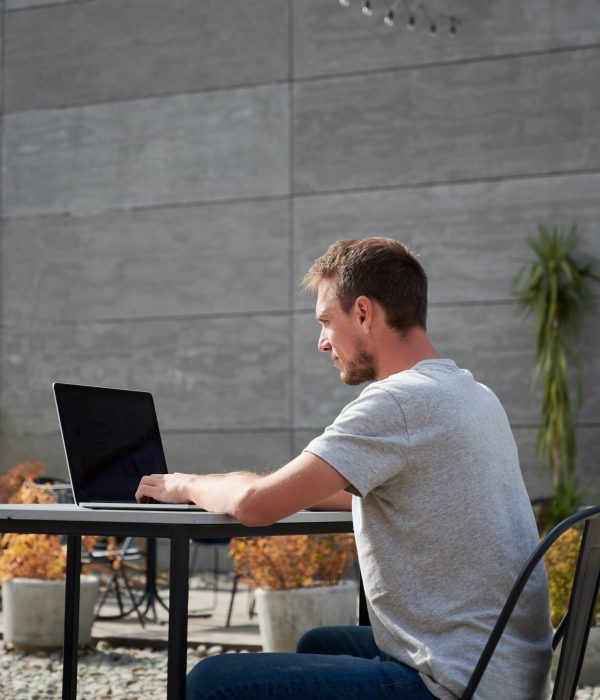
x,y
178,610
71,641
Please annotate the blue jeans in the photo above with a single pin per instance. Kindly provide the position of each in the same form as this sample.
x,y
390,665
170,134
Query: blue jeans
x,y
331,663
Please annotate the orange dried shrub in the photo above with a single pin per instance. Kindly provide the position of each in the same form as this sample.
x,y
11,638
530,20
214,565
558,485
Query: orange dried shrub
x,y
30,555
293,561
561,561
11,482
30,493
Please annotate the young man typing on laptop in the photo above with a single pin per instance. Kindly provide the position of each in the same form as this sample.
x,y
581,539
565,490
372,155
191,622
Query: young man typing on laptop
x,y
426,460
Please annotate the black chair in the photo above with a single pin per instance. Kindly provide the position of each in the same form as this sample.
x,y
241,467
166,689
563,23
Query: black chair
x,y
102,559
215,545
575,626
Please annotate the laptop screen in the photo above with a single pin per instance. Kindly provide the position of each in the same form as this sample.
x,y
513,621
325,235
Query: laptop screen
x,y
111,439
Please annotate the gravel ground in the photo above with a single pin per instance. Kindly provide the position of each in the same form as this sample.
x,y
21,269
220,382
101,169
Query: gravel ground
x,y
107,673
104,672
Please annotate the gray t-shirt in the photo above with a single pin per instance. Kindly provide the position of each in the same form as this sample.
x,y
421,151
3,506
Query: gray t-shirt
x,y
443,526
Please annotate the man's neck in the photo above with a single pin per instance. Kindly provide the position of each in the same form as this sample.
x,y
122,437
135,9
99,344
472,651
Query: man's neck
x,y
400,353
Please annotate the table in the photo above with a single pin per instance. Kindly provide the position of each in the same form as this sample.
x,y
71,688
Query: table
x,y
177,526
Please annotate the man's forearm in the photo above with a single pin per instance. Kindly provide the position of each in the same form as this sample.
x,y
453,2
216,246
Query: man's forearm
x,y
224,493
219,493
339,501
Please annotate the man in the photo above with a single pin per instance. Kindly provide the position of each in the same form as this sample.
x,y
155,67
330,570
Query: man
x,y
427,462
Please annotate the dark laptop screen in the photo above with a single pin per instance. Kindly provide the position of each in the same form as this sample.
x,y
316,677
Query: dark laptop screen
x,y
111,439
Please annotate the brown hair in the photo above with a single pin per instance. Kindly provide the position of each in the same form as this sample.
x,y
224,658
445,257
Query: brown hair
x,y
380,268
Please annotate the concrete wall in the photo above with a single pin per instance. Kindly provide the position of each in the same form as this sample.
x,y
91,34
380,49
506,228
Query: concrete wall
x,y
170,168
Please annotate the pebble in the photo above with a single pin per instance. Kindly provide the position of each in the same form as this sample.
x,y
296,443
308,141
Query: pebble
x,y
110,673
104,673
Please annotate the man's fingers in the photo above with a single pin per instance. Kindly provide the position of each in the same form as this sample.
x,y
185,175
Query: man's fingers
x,y
151,479
145,491
158,487
139,494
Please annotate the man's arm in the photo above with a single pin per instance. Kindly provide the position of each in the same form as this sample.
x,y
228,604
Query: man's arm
x,y
307,481
339,501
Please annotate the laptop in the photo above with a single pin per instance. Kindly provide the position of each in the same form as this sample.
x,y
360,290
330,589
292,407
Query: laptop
x,y
111,440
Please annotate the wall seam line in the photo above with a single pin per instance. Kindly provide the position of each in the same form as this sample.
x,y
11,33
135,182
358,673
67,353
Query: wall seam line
x,y
451,63
291,223
2,102
401,187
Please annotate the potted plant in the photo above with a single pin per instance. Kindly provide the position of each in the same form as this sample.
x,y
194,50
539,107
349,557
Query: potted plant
x,y
297,583
15,477
32,573
561,561
555,286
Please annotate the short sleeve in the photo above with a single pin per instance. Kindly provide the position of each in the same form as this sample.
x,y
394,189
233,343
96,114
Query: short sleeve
x,y
368,442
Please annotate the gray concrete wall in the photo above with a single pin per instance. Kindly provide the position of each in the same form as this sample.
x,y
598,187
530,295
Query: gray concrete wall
x,y
170,168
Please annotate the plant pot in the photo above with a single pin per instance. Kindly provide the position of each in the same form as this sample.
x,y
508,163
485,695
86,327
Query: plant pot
x,y
284,616
590,670
34,612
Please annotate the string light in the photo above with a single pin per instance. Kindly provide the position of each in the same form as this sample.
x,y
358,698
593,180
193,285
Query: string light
x,y
411,9
430,20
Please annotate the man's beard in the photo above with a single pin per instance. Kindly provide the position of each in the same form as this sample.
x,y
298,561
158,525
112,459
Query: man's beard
x,y
361,369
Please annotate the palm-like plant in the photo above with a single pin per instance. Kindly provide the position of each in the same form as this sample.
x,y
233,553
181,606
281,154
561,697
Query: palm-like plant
x,y
555,286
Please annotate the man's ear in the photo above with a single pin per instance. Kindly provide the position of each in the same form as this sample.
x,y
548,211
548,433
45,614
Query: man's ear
x,y
363,312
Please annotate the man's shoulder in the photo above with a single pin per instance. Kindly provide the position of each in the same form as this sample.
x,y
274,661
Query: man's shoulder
x,y
403,384
431,376
423,391
378,403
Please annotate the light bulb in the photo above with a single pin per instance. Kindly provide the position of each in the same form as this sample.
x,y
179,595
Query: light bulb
x,y
366,9
389,18
345,3
411,23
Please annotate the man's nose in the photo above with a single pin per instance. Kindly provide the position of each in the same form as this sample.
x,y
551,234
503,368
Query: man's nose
x,y
323,345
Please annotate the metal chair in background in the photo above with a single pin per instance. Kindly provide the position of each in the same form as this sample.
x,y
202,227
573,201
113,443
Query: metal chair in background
x,y
112,562
216,546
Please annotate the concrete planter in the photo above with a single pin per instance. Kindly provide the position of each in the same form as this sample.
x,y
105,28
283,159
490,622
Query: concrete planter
x,y
284,616
34,612
590,670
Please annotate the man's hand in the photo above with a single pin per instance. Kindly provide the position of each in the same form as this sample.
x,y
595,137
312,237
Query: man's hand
x,y
165,488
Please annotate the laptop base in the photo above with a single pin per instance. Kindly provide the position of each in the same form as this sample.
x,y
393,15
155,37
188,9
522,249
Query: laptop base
x,y
143,506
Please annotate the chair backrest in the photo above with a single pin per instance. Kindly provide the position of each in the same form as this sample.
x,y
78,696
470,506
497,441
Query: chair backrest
x,y
580,613
577,621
